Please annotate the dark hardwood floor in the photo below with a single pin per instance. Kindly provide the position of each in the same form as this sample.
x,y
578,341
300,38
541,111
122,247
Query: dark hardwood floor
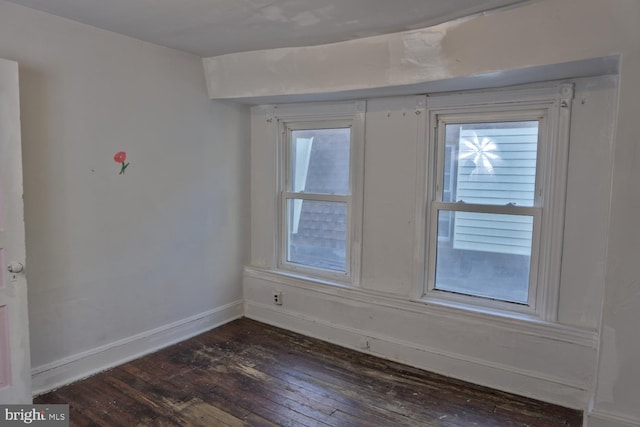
x,y
250,374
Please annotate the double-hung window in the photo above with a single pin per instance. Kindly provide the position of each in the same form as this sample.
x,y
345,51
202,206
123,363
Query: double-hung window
x,y
497,185
319,195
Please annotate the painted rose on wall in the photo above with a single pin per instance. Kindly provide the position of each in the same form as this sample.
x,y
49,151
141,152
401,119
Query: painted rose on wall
x,y
121,157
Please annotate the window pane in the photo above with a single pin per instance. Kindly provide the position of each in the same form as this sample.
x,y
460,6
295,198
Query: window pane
x,y
320,161
316,233
490,163
485,255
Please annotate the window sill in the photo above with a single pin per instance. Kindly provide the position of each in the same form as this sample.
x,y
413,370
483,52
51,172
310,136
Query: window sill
x,y
450,304
482,305
294,278
519,322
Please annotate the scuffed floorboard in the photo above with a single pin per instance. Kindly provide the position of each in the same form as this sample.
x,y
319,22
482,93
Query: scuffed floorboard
x,y
250,374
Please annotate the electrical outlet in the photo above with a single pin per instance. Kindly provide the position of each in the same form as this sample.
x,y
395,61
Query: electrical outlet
x,y
277,298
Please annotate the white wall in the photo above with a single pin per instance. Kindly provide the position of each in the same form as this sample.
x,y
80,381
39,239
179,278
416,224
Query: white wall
x,y
121,264
599,294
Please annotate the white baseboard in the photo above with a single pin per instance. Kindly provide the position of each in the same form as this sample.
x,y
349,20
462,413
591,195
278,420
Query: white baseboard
x,y
598,418
69,369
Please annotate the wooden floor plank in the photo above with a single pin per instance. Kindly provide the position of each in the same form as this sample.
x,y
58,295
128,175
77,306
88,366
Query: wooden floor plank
x,y
289,384
302,378
247,373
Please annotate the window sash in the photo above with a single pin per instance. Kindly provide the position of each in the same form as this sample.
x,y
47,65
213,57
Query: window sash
x,y
442,120
290,128
287,195
314,196
480,115
496,209
434,240
327,255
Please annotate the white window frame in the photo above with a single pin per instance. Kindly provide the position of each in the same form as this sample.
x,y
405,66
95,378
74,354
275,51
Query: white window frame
x,y
293,117
551,105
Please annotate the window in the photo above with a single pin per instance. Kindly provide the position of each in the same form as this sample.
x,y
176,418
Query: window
x,y
319,200
497,185
486,208
317,196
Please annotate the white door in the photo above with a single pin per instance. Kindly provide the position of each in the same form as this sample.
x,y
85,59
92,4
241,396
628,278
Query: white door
x,y
15,361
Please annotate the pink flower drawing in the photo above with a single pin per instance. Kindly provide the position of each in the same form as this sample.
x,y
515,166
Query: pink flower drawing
x,y
121,157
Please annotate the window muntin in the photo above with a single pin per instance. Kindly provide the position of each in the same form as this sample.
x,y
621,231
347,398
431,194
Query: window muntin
x,y
487,208
317,200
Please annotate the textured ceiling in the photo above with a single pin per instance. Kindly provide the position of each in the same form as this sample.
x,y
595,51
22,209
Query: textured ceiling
x,y
216,27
